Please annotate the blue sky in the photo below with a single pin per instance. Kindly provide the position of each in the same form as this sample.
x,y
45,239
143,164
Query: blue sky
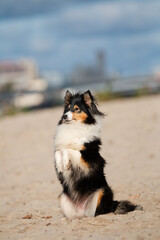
x,y
61,34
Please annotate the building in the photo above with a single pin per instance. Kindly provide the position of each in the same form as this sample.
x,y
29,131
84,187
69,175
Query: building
x,y
18,74
20,85
95,73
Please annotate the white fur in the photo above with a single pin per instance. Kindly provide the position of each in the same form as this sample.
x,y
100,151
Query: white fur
x,y
92,205
69,140
69,208
76,134
69,115
62,160
66,160
58,161
75,157
85,209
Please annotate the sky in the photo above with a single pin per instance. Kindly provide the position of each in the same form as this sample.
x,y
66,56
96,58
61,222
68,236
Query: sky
x,y
61,34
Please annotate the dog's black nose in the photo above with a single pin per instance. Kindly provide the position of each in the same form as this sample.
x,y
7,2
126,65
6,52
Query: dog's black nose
x,y
65,116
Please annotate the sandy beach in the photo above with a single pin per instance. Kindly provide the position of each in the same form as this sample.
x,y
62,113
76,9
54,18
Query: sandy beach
x,y
29,188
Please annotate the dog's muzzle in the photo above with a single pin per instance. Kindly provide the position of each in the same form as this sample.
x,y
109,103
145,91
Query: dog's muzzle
x,y
68,117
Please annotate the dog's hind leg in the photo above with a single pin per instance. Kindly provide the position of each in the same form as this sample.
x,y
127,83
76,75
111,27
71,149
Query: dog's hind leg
x,y
93,203
70,209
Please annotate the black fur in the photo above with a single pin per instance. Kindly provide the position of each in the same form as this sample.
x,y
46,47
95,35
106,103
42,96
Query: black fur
x,y
82,185
86,185
78,99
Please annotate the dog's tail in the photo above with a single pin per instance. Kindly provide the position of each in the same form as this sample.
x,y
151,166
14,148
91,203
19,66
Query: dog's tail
x,y
122,207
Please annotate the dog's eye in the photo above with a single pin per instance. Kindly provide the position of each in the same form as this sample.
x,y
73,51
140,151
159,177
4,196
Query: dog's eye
x,y
76,109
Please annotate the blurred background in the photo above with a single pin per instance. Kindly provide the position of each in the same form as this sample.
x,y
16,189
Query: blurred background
x,y
111,47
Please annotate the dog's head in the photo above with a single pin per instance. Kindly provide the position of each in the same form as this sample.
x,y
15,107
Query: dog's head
x,y
80,107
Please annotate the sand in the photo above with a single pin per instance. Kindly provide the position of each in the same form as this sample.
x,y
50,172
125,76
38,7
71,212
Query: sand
x,y
29,187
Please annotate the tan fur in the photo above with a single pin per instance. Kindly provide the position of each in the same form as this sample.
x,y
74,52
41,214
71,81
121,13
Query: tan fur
x,y
85,164
75,106
101,192
79,116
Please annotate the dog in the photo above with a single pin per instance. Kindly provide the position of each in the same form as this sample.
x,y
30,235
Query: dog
x,y
78,163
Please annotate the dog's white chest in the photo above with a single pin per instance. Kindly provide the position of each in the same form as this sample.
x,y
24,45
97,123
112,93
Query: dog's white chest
x,y
75,135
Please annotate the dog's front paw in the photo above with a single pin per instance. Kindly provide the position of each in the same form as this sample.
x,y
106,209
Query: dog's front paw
x,y
58,161
66,160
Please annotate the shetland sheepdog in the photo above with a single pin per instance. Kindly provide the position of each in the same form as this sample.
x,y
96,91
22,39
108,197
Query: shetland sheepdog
x,y
78,163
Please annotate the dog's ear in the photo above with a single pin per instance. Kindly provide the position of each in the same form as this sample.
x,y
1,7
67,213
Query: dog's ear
x,y
67,97
88,98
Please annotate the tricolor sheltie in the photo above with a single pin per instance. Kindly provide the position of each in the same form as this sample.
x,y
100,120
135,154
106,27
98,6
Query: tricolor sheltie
x,y
78,163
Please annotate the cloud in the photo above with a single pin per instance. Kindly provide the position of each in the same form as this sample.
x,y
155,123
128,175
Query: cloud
x,y
21,8
127,30
108,17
